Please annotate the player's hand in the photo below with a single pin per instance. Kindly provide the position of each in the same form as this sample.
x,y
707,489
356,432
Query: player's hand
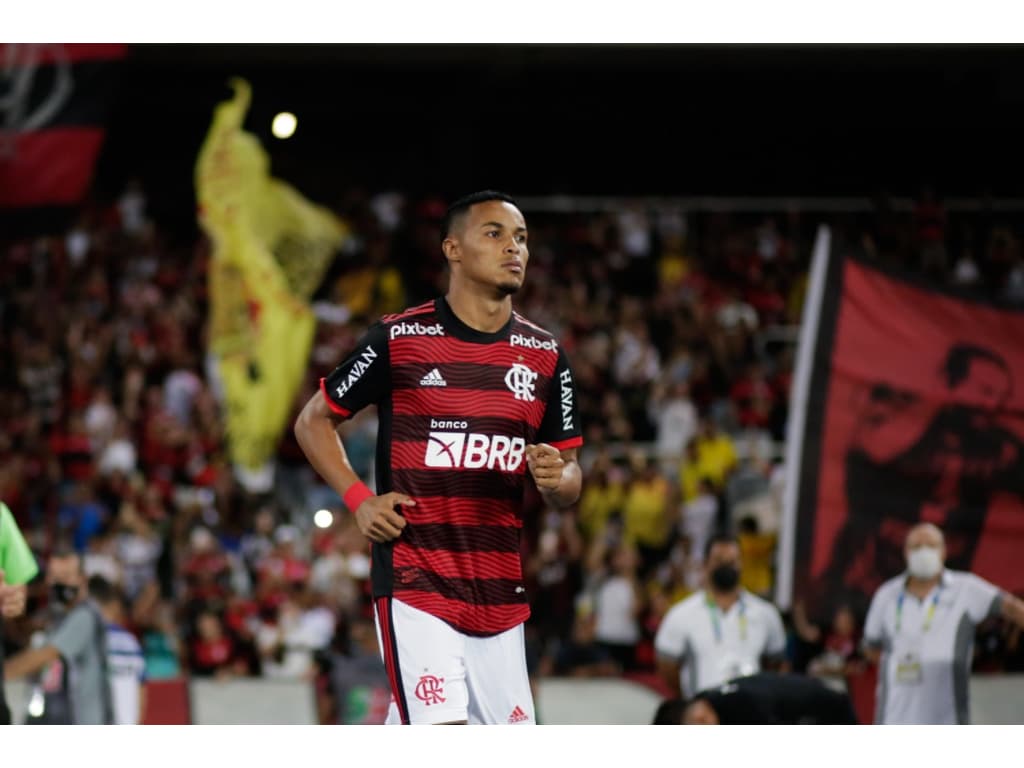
x,y
12,598
546,464
377,518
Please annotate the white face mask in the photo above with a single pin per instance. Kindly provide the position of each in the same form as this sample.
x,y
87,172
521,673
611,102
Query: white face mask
x,y
924,562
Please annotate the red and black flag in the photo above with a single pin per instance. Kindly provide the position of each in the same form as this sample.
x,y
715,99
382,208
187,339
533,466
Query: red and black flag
x,y
53,103
908,407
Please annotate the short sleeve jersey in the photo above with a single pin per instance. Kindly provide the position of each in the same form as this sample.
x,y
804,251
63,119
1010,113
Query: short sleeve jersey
x,y
457,408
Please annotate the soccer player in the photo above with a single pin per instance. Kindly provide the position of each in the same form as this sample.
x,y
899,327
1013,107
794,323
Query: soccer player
x,y
471,396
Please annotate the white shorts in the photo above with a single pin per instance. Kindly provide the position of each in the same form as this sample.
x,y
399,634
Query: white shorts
x,y
439,675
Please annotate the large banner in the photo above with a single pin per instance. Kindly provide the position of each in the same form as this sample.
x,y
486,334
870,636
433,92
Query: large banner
x,y
271,248
908,407
53,105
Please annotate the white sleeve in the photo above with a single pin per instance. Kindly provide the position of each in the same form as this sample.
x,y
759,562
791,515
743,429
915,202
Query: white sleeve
x,y
982,598
670,639
874,626
775,644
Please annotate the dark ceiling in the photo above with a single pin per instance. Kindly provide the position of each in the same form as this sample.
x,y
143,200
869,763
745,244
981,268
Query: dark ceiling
x,y
672,120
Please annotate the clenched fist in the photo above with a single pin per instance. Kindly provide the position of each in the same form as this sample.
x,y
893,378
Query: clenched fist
x,y
546,464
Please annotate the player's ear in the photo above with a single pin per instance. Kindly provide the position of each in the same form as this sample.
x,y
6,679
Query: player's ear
x,y
452,251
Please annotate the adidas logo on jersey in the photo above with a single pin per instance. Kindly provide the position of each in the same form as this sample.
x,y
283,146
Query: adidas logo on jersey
x,y
518,716
433,379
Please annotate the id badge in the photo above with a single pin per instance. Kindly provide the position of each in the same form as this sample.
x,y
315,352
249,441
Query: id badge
x,y
908,669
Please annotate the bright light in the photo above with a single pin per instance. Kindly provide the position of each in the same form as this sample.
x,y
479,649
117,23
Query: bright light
x,y
284,125
323,518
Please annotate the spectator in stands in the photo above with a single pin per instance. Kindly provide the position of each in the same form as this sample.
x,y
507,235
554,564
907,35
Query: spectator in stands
x,y
126,666
648,512
617,605
214,653
757,551
716,453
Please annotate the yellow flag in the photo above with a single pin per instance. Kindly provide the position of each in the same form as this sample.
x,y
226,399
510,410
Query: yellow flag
x,y
271,248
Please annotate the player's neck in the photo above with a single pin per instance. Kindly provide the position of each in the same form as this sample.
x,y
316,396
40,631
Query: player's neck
x,y
481,313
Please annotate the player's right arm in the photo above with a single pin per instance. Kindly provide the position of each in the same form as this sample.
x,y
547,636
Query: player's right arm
x,y
359,381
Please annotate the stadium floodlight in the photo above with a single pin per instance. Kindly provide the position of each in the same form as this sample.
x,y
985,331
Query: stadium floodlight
x,y
284,125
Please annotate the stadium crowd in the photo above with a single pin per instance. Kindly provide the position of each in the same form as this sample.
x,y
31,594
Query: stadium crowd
x,y
680,326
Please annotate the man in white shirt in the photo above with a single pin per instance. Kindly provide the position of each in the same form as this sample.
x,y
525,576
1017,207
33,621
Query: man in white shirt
x,y
720,632
921,626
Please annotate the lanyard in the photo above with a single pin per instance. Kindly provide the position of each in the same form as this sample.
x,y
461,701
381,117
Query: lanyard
x,y
716,622
927,617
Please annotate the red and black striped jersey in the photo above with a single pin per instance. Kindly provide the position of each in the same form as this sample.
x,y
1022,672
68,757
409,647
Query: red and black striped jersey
x,y
457,408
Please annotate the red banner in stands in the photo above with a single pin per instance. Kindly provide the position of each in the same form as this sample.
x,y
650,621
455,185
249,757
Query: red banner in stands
x,y
914,413
53,103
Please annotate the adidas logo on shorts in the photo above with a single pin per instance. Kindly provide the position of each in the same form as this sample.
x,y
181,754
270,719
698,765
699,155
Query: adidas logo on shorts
x,y
433,379
518,716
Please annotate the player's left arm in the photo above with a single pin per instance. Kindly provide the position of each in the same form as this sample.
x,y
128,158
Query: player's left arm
x,y
553,459
556,473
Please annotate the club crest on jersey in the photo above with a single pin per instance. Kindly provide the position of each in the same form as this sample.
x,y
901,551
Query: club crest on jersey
x,y
521,381
357,370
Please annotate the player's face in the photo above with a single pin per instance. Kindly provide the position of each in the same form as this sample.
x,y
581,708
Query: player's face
x,y
987,386
490,246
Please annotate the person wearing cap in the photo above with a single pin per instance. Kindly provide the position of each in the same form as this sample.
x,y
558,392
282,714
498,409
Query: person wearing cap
x,y
920,628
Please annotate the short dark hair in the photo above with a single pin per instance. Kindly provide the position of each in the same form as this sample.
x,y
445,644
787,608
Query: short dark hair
x,y
102,591
959,358
670,712
722,537
463,204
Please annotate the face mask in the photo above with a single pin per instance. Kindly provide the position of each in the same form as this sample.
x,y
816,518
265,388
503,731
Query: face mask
x,y
924,562
64,594
725,577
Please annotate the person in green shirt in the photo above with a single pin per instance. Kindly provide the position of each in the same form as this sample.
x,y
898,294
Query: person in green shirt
x,y
17,567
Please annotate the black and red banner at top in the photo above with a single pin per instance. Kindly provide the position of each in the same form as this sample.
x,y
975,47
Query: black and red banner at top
x,y
53,102
913,412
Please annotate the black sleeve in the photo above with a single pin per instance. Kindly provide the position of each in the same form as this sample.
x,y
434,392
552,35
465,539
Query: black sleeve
x,y
363,377
561,424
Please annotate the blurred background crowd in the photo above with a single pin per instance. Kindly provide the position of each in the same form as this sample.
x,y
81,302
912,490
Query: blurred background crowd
x,y
681,327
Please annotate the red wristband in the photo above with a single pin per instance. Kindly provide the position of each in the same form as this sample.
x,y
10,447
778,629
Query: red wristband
x,y
356,495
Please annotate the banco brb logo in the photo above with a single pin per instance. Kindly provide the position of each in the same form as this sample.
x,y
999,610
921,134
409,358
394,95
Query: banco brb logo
x,y
430,690
520,380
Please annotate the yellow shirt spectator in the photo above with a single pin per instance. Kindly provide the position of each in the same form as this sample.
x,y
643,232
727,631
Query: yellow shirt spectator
x,y
645,511
757,551
599,501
